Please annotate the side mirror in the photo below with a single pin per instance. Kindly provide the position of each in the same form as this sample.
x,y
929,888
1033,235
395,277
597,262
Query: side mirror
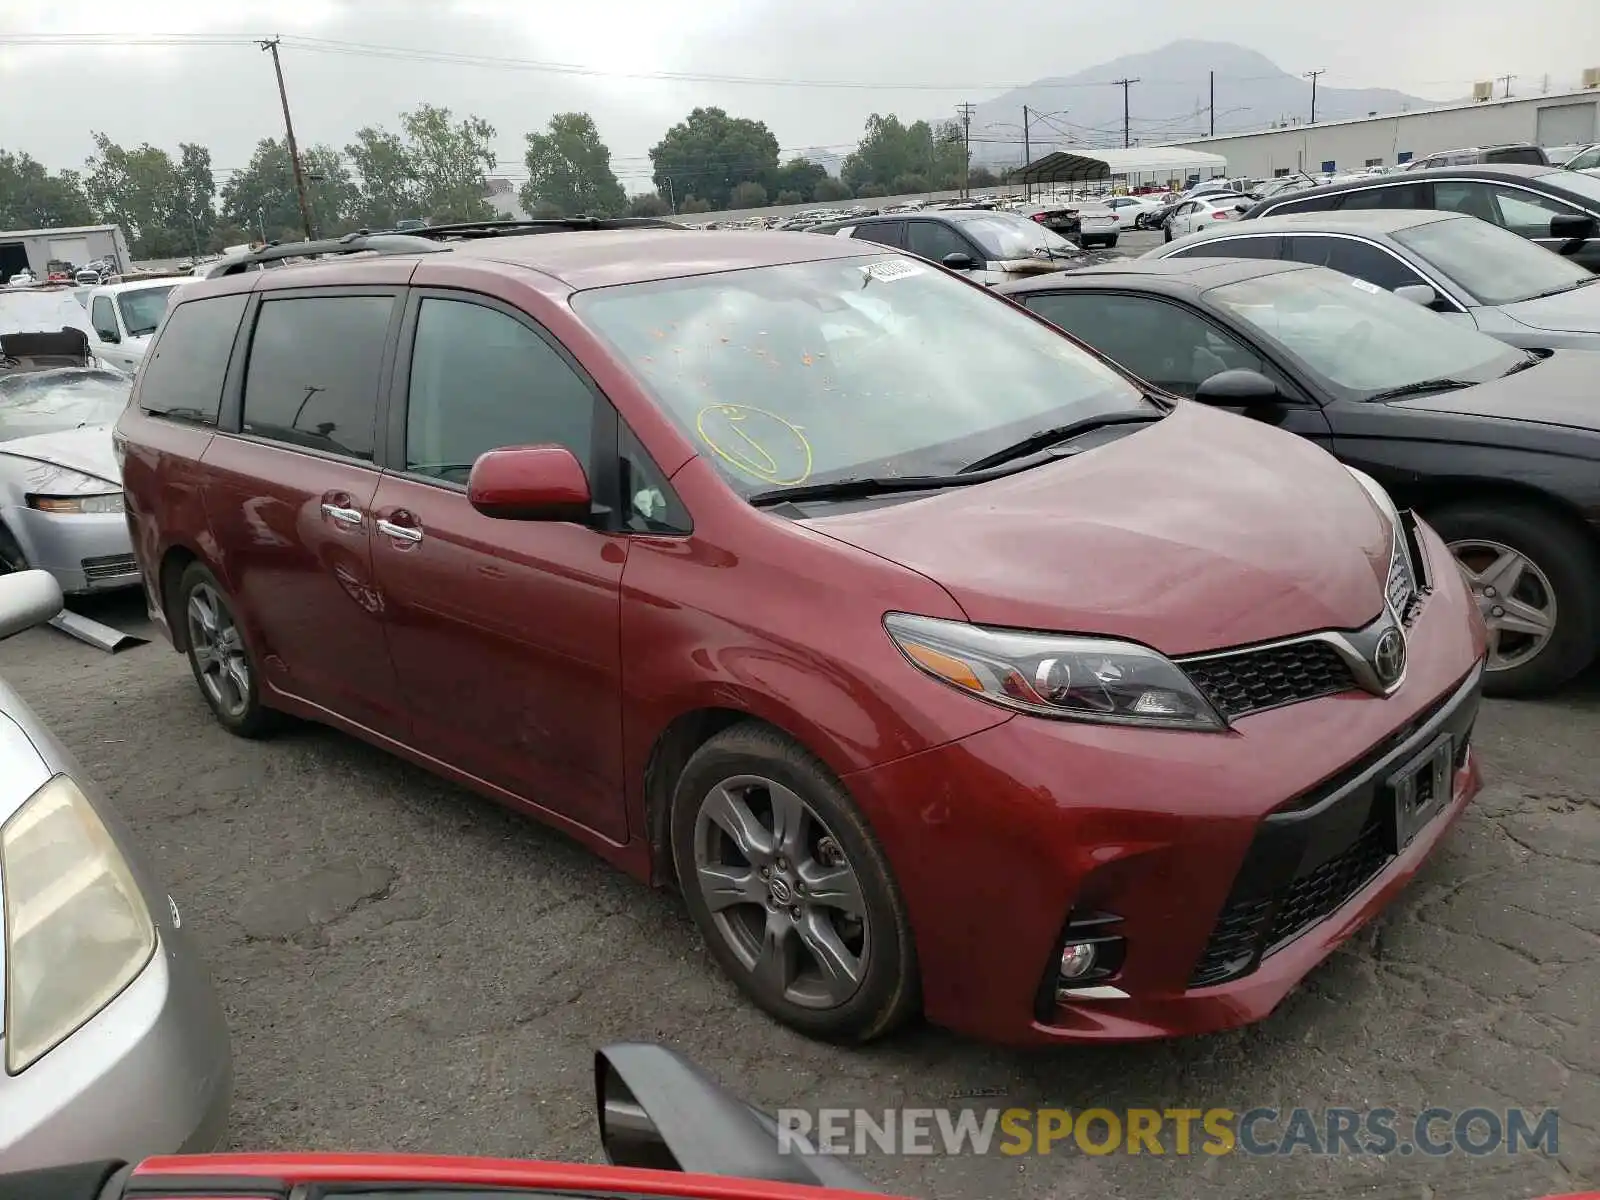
x,y
1238,389
27,598
1575,227
109,336
958,261
530,483
1417,293
657,1111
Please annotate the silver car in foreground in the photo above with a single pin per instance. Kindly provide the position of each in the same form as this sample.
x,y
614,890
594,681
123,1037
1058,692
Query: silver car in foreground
x,y
112,1042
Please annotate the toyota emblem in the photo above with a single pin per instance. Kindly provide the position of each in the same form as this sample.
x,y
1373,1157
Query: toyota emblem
x,y
1389,659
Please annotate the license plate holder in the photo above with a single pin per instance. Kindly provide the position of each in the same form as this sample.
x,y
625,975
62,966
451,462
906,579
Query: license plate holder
x,y
1421,789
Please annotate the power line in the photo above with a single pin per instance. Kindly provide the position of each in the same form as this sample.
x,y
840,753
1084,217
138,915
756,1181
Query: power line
x,y
1505,79
1313,75
1125,84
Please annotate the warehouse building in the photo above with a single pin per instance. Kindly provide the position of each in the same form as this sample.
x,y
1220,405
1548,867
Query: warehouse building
x,y
1563,119
36,249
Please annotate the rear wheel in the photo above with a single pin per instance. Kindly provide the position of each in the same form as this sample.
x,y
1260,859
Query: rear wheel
x,y
219,656
1536,579
789,888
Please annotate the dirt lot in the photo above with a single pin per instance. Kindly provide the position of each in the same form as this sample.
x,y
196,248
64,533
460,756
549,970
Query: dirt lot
x,y
407,967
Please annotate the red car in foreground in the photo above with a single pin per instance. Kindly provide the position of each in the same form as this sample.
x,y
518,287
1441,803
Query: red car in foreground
x,y
936,659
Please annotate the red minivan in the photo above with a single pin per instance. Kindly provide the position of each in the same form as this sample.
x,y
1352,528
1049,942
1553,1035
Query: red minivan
x,y
941,664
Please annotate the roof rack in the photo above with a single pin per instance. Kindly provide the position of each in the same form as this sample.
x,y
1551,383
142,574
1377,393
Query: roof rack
x,y
512,228
360,242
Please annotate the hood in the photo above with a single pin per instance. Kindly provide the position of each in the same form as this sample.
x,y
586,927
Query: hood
x,y
1180,535
1577,311
87,451
1559,391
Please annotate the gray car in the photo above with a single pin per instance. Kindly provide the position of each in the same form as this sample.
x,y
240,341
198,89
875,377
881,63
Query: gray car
x,y
112,1040
1468,270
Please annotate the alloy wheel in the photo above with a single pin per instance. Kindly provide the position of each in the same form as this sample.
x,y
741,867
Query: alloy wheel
x,y
1516,599
781,892
218,650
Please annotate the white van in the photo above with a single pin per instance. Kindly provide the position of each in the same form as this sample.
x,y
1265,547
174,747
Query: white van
x,y
122,316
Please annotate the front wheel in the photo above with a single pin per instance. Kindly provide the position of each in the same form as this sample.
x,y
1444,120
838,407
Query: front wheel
x,y
789,887
220,658
1536,580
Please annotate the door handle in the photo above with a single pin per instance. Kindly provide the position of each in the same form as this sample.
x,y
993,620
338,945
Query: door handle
x,y
400,533
351,517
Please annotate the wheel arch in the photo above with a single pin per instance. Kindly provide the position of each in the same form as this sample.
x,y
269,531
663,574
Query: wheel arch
x,y
175,561
1436,494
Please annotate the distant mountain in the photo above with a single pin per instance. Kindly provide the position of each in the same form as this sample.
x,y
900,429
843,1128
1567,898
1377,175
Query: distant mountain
x,y
1169,103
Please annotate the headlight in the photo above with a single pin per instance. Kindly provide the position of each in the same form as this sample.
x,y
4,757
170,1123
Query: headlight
x,y
1400,587
100,502
1075,678
77,930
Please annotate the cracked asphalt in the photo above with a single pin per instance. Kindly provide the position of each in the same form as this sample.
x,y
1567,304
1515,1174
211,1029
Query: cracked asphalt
x,y
407,967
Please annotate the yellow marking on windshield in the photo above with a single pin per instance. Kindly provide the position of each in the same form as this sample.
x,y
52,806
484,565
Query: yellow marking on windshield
x,y
741,448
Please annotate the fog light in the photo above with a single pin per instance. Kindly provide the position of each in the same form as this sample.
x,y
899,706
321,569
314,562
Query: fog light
x,y
1077,959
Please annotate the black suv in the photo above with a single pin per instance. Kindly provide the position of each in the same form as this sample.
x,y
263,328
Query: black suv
x,y
987,246
1516,152
1523,199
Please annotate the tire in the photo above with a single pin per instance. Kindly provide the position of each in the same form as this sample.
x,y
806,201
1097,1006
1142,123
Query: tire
x,y
1111,242
745,775
1563,568
1166,231
236,704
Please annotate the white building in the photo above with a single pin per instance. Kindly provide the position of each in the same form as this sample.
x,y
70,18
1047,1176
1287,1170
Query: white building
x,y
36,249
1561,119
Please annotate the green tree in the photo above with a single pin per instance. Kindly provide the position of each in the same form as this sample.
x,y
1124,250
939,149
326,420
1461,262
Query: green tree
x,y
451,159
799,175
789,198
650,204
982,177
906,185
831,189
545,210
385,187
570,167
871,191
891,150
262,197
714,153
196,202
748,194
695,205
142,191
32,198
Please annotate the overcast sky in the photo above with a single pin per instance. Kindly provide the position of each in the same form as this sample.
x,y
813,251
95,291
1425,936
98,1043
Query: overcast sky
x,y
224,96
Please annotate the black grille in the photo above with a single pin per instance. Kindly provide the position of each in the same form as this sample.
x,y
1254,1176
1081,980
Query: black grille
x,y
109,566
1232,947
1252,680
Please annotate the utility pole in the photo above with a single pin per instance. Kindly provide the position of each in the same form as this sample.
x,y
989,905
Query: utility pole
x,y
1211,107
1125,84
271,46
1312,75
1505,79
966,144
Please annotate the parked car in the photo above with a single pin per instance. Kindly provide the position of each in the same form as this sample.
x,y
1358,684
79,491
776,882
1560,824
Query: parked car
x,y
60,495
1523,199
1192,216
1496,447
1583,158
1132,210
1059,218
698,548
1513,152
114,1044
986,247
1465,269
122,316
1098,224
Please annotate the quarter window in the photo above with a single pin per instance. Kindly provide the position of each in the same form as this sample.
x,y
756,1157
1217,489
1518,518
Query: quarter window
x,y
183,373
481,380
312,379
649,503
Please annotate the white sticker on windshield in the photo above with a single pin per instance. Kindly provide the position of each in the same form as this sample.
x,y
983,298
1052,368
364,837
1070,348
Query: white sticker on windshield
x,y
1366,287
891,269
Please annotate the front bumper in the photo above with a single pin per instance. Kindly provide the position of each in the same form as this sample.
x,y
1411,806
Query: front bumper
x,y
1001,839
86,552
151,1073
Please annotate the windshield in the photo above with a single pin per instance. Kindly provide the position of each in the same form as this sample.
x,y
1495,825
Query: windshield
x,y
53,401
142,310
872,366
1491,264
1007,236
1584,188
1360,339
1584,160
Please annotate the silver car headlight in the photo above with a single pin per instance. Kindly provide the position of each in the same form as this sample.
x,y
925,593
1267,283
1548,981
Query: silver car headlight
x,y
1049,675
1400,588
76,927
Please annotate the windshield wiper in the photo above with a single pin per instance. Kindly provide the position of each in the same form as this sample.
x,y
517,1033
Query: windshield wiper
x,y
1043,439
1421,386
1533,360
850,489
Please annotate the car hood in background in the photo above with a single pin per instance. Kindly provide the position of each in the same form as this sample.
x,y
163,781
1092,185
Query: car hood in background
x,y
1577,311
87,451
1200,532
1563,390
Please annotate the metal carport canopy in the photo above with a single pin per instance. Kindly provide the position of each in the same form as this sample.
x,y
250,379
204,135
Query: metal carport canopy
x,y
1081,166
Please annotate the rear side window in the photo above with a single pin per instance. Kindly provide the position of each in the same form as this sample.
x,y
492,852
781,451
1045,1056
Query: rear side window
x,y
1359,260
1233,247
884,233
1308,204
1518,154
1404,195
182,376
312,379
